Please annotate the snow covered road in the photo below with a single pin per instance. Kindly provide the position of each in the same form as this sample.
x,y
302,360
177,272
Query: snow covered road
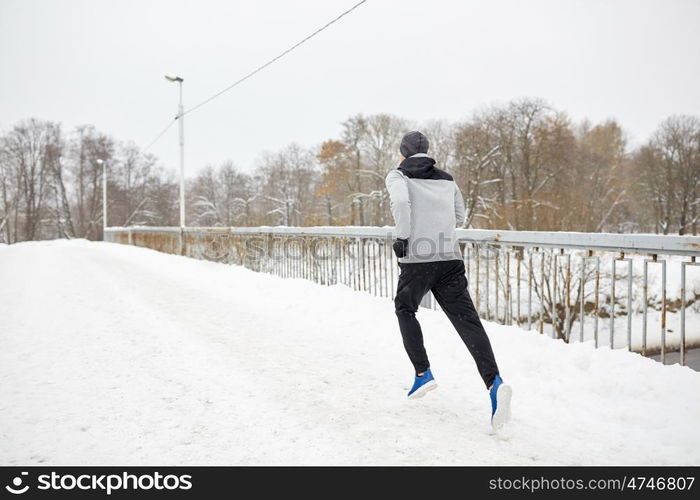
x,y
113,354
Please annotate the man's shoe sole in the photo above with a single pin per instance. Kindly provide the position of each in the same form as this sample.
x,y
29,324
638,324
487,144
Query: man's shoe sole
x,y
423,390
502,414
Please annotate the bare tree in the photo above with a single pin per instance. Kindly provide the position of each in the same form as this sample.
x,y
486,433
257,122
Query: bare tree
x,y
61,207
597,174
380,144
354,130
10,192
520,165
289,179
337,183
28,150
668,167
475,151
441,135
85,149
223,197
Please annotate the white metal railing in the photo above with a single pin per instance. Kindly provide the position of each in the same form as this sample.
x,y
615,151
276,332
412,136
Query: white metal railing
x,y
616,290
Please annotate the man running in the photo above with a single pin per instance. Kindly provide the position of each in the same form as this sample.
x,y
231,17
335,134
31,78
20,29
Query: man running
x,y
427,205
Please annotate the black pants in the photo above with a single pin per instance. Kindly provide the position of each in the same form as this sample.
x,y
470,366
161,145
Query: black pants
x,y
447,281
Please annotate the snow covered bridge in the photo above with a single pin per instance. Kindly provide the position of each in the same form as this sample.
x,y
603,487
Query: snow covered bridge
x,y
638,291
114,354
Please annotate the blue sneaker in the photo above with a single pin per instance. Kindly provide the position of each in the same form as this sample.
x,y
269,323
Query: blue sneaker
x,y
500,402
423,384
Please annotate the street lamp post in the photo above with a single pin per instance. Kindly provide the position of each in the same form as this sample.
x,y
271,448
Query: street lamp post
x,y
100,161
181,118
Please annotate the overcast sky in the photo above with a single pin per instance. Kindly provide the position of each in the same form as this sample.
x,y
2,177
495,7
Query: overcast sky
x,y
102,62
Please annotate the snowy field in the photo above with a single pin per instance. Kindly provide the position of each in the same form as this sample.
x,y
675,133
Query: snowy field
x,y
114,354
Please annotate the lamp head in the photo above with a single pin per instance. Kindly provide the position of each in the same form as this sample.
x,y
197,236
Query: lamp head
x,y
174,78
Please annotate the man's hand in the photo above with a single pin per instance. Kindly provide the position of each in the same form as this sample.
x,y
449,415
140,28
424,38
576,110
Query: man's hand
x,y
400,247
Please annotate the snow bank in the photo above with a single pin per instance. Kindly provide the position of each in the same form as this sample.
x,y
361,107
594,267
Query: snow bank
x,y
121,355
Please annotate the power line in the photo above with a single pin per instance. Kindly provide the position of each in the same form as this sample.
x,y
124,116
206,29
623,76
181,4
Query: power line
x,y
161,134
255,71
268,63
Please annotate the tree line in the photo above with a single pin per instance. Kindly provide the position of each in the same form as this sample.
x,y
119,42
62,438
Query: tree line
x,y
522,165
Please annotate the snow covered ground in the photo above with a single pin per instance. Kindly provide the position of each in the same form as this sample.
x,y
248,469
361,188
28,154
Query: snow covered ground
x,y
114,354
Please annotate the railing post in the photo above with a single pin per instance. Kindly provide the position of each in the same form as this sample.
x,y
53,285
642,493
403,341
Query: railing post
x,y
542,301
683,290
496,274
509,302
567,299
477,251
488,275
630,275
597,301
529,290
581,297
612,304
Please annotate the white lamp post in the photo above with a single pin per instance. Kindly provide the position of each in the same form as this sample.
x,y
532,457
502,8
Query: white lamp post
x,y
100,161
180,116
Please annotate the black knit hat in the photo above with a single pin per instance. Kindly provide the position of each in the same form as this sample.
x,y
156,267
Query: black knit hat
x,y
412,143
